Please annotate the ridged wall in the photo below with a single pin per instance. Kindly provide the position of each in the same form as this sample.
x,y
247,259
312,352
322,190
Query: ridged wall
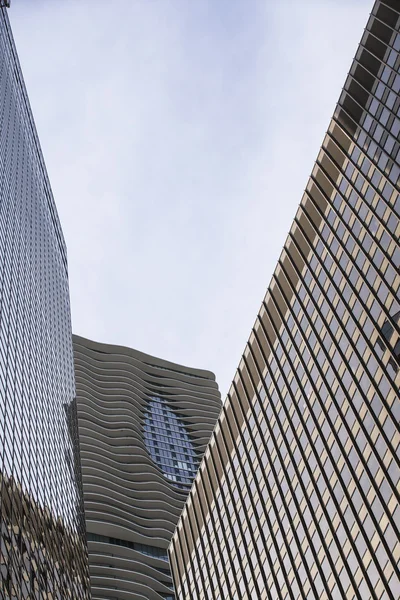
x,y
297,497
127,497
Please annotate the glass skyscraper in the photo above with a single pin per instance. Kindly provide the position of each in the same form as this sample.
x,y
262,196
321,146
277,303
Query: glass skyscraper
x,y
42,538
144,424
297,496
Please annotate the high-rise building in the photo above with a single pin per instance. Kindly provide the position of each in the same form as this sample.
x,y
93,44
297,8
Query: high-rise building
x,y
42,539
144,424
297,496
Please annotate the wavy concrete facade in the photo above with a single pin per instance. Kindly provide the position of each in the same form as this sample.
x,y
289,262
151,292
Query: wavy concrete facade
x,y
143,424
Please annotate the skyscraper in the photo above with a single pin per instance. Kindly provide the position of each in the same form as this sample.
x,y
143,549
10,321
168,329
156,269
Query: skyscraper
x,y
42,541
297,496
144,424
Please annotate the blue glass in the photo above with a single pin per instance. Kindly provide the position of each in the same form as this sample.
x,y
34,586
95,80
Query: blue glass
x,y
168,443
43,547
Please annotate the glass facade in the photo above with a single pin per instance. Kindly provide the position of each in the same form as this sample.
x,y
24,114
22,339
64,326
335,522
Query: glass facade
x,y
168,443
143,423
43,549
144,548
298,494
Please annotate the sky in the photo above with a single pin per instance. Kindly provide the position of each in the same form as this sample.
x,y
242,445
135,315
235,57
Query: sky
x,y
179,136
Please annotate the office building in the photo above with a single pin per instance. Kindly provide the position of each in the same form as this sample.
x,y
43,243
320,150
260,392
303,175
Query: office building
x,y
144,424
297,496
42,539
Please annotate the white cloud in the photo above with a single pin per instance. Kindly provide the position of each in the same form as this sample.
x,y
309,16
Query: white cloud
x,y
178,137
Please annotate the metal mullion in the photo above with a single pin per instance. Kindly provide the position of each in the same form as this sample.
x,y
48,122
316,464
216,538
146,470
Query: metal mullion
x,y
205,527
370,52
382,61
361,197
361,127
211,516
177,548
374,162
367,341
304,458
340,351
367,180
223,436
338,473
387,44
269,525
388,6
369,92
345,424
351,285
328,485
308,435
262,501
194,548
367,111
277,449
376,18
222,494
8,318
345,250
18,291
351,208
11,51
308,468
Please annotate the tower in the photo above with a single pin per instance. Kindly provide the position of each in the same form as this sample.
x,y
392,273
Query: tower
x,y
42,534
297,495
144,424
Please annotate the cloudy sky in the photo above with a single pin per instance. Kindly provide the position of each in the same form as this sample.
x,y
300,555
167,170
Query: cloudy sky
x,y
179,136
